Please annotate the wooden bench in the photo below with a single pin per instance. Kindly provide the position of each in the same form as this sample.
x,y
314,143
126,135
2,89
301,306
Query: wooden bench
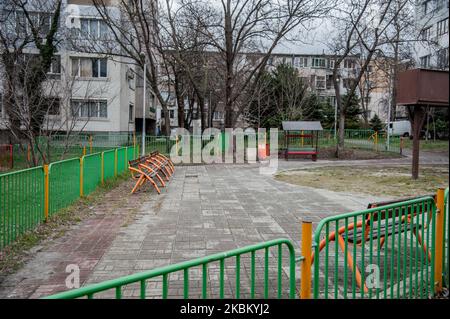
x,y
150,169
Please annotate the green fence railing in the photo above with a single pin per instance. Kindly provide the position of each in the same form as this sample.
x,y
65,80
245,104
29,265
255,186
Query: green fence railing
x,y
446,243
186,270
92,171
108,164
23,193
64,184
21,203
395,241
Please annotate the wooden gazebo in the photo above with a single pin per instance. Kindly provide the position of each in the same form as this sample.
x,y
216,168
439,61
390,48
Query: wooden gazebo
x,y
302,138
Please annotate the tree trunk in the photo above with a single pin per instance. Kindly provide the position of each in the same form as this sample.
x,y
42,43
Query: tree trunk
x,y
229,67
417,116
180,101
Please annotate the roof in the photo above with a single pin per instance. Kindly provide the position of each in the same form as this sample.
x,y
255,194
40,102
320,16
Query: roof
x,y
302,126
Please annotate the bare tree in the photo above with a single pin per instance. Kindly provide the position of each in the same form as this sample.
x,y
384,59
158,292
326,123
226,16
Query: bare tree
x,y
362,32
243,34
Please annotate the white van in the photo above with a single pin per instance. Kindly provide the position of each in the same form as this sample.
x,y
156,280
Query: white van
x,y
400,128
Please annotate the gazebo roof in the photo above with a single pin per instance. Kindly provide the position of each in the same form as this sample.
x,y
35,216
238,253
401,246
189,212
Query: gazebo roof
x,y
302,126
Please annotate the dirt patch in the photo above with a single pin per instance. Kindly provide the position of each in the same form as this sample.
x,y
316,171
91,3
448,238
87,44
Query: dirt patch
x,y
355,154
389,181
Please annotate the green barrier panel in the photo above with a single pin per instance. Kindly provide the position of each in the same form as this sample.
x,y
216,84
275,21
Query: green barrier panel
x,y
396,241
108,164
130,153
182,270
21,203
64,184
445,250
121,156
92,172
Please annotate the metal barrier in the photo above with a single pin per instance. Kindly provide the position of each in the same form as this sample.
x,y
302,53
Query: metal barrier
x,y
446,246
30,196
391,241
141,279
21,203
64,184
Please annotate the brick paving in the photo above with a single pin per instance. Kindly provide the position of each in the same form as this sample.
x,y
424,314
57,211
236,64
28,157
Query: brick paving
x,y
205,209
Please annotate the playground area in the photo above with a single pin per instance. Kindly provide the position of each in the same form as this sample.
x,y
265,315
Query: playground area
x,y
209,209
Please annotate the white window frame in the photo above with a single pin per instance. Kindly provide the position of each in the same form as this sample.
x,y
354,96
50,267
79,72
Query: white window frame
x,y
87,102
78,75
317,63
323,80
442,27
90,34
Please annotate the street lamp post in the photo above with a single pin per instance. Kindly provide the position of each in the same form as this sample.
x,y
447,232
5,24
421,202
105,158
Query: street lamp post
x,y
143,106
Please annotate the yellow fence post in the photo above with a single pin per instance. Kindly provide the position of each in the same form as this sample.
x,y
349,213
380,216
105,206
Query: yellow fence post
x,y
115,163
305,284
84,150
439,240
46,192
103,168
81,176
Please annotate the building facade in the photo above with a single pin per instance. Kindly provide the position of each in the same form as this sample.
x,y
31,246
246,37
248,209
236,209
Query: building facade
x,y
93,93
432,18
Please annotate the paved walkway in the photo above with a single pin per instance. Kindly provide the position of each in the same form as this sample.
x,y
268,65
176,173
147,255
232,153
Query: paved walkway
x,y
204,210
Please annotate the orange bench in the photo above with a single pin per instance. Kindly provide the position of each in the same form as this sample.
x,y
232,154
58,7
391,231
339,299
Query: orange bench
x,y
151,168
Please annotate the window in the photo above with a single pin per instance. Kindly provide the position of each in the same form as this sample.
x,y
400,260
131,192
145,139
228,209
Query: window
x,y
172,114
442,27
89,67
51,105
270,61
348,83
428,6
318,63
349,63
320,82
217,116
39,20
425,61
329,82
92,28
89,108
426,34
55,67
442,58
131,113
331,64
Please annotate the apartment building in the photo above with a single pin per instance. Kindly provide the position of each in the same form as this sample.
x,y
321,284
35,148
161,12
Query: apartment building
x,y
94,92
317,70
432,18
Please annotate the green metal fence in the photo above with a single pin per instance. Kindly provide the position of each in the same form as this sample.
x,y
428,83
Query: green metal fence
x,y
64,184
186,271
22,200
122,162
108,164
92,172
446,248
392,244
21,203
